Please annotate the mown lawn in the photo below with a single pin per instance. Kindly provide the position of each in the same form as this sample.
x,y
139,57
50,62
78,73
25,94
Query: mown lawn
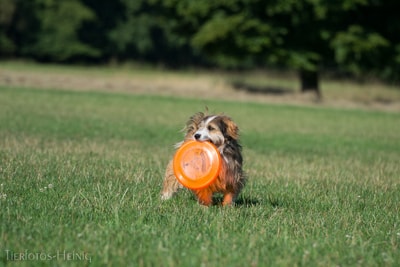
x,y
81,172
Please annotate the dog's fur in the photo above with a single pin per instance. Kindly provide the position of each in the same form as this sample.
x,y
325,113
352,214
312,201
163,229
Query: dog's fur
x,y
224,134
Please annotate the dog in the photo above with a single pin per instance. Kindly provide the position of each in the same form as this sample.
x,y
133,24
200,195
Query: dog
x,y
224,134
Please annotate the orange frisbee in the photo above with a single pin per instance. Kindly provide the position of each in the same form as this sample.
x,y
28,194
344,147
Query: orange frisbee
x,y
197,164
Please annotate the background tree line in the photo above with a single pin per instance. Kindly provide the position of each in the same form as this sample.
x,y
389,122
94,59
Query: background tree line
x,y
352,37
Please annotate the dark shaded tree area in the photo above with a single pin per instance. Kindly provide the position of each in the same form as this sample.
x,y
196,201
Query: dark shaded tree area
x,y
353,37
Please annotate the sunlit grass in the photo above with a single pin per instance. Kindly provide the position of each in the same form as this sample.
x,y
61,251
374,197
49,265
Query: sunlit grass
x,y
279,86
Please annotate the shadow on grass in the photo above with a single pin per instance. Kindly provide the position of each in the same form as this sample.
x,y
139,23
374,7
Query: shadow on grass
x,y
254,89
250,202
242,201
247,202
275,203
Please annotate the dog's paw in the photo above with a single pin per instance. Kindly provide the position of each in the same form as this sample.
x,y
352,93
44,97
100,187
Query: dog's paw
x,y
166,195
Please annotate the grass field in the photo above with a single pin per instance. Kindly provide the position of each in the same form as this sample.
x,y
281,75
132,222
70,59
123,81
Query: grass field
x,y
262,86
81,172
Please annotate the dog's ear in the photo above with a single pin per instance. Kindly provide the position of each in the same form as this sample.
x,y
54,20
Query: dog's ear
x,y
194,121
232,129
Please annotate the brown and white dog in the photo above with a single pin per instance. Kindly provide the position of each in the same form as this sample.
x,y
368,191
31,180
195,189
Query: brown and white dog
x,y
224,134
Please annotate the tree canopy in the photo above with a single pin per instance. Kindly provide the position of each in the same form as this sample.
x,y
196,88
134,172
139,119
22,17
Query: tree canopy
x,y
356,37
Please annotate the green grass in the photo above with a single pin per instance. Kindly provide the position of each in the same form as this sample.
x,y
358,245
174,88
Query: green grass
x,y
335,92
81,173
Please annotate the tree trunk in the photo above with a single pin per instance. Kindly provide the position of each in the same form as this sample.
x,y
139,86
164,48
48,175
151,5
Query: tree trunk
x,y
310,82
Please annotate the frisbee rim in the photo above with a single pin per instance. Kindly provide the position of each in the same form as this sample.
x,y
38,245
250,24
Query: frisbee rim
x,y
215,164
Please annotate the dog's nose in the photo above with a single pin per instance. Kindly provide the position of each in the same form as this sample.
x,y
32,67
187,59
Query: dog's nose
x,y
197,136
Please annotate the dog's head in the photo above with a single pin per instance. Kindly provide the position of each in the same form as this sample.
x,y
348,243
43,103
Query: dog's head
x,y
217,129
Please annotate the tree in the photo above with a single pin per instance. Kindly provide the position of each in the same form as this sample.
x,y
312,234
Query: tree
x,y
246,33
145,31
228,33
349,36
96,32
305,35
303,46
48,29
368,41
7,46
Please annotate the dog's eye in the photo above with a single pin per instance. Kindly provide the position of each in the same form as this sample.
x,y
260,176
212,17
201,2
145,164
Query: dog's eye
x,y
210,128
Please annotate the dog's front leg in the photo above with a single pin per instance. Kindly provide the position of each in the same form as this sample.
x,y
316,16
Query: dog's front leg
x,y
171,184
204,196
229,199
